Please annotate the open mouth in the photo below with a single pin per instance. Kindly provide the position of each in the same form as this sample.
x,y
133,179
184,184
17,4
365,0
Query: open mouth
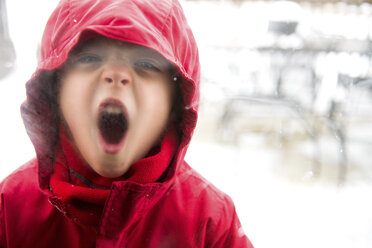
x,y
112,122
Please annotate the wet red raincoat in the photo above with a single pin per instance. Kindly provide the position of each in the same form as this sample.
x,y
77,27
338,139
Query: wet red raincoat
x,y
184,210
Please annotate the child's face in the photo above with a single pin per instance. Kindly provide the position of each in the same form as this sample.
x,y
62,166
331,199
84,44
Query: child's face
x,y
116,99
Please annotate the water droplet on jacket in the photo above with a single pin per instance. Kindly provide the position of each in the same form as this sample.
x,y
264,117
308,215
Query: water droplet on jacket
x,y
75,20
240,232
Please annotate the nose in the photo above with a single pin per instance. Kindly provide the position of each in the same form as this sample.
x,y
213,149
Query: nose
x,y
116,74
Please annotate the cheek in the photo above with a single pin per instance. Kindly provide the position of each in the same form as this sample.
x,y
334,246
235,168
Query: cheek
x,y
160,101
76,91
75,99
154,104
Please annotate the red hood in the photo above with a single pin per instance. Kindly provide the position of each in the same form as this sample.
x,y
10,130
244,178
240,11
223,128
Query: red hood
x,y
159,25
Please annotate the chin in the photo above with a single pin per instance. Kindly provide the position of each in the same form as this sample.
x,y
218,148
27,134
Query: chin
x,y
110,174
110,170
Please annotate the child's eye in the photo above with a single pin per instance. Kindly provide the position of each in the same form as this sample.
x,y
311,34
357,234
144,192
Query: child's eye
x,y
146,65
86,59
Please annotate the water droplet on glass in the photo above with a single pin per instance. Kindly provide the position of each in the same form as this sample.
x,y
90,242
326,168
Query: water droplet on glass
x,y
8,64
309,175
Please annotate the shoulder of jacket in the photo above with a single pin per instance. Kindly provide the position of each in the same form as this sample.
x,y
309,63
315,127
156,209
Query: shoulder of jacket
x,y
204,191
26,176
208,207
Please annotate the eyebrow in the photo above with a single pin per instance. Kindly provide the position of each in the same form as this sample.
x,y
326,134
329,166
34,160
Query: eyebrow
x,y
91,44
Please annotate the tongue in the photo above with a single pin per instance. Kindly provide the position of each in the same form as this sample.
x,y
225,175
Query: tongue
x,y
112,126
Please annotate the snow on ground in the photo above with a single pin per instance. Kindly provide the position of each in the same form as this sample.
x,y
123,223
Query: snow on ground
x,y
279,201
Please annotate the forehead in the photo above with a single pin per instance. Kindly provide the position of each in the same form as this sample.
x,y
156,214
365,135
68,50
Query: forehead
x,y
101,44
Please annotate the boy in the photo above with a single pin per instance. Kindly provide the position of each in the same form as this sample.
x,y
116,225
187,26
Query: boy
x,y
110,110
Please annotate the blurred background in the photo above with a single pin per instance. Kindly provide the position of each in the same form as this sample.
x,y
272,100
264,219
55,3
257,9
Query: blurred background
x,y
285,114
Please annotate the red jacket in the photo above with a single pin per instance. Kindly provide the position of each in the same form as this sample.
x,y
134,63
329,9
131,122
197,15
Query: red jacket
x,y
184,210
